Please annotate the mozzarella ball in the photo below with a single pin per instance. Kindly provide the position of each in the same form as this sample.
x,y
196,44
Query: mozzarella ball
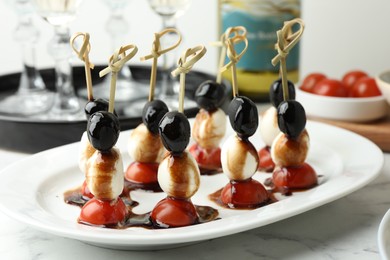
x,y
239,158
287,152
104,176
179,175
209,128
143,146
85,152
269,128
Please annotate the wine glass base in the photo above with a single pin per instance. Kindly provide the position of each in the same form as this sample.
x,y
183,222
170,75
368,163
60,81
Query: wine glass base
x,y
27,104
125,90
135,108
63,109
56,116
173,102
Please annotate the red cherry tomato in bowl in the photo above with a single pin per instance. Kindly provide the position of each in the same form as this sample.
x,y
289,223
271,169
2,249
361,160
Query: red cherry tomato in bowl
x,y
311,80
365,87
350,78
330,87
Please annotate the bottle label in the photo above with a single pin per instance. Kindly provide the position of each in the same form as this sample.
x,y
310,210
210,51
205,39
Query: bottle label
x,y
261,18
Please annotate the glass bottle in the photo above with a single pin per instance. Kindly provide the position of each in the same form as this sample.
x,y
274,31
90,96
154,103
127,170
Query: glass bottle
x,y
262,18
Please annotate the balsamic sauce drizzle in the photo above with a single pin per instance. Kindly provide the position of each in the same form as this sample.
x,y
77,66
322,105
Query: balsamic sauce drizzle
x,y
75,197
205,213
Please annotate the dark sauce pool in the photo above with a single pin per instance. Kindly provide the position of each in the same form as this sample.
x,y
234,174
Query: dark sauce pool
x,y
272,190
76,198
205,213
151,187
216,197
286,191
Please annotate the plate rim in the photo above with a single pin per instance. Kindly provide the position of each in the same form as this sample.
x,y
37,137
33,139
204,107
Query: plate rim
x,y
384,227
182,237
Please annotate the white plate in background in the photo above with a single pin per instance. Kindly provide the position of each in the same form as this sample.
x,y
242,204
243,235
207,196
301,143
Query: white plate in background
x,y
384,236
343,108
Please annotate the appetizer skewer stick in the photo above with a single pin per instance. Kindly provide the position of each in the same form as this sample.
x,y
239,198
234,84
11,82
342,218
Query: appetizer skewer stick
x,y
156,53
92,106
83,54
290,148
239,157
286,41
104,175
210,122
178,173
116,62
269,128
280,90
145,146
221,59
222,56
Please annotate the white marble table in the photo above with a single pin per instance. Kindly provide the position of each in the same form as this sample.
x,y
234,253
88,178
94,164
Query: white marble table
x,y
344,229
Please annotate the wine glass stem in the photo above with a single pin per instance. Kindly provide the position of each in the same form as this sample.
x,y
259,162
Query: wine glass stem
x,y
117,27
64,78
66,101
26,33
31,79
169,60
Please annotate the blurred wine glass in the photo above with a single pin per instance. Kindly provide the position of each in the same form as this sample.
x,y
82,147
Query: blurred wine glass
x,y
31,97
59,13
169,11
126,87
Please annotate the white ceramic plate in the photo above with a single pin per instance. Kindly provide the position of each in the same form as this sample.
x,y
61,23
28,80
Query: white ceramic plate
x,y
31,191
384,236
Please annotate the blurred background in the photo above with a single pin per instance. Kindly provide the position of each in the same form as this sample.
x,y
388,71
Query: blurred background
x,y
339,36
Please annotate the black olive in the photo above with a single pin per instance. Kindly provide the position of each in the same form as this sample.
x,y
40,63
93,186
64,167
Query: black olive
x,y
243,116
152,113
103,130
291,118
276,92
210,95
95,106
175,132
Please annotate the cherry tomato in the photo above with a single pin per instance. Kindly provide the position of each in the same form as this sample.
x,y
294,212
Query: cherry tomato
x,y
206,158
311,80
365,87
171,212
265,161
145,173
244,194
350,78
99,212
295,177
330,87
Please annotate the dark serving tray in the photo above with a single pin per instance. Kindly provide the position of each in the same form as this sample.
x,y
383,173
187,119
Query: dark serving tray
x,y
27,135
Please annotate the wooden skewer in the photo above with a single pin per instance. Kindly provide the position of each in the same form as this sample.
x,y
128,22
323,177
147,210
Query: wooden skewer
x,y
157,52
186,62
83,54
239,35
115,64
236,31
286,41
221,59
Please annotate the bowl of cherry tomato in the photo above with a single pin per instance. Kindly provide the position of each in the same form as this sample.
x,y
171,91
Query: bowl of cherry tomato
x,y
354,98
383,82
